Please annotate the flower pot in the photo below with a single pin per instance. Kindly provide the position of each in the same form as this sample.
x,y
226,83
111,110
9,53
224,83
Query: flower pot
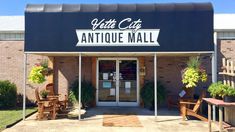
x,y
229,98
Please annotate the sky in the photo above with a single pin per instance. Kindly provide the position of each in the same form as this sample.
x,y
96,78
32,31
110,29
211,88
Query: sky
x,y
16,7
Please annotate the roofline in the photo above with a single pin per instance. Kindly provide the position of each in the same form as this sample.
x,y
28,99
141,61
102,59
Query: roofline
x,y
58,8
12,31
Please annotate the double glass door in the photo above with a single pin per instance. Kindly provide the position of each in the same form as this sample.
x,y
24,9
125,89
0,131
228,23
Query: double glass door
x,y
117,82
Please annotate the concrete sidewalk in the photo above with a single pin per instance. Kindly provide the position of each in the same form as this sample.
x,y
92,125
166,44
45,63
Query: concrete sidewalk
x,y
167,121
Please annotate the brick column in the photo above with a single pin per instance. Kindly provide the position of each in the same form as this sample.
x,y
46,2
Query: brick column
x,y
51,65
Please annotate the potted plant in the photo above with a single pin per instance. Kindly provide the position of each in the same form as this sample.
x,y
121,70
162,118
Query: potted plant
x,y
87,94
220,91
46,70
147,94
39,72
44,93
229,94
216,90
193,73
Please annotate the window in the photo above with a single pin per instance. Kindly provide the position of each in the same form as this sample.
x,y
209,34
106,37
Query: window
x,y
11,36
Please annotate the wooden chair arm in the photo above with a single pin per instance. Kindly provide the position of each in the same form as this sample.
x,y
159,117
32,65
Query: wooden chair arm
x,y
65,97
51,97
184,102
188,100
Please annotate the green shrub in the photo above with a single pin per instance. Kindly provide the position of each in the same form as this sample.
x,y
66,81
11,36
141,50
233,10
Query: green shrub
x,y
87,93
218,89
147,93
8,94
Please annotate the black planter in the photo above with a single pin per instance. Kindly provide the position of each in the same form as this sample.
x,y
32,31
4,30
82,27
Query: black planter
x,y
229,99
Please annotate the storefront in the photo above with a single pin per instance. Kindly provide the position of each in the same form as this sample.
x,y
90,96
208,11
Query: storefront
x,y
115,44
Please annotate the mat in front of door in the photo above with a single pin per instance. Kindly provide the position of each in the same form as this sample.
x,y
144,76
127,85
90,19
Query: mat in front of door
x,y
121,120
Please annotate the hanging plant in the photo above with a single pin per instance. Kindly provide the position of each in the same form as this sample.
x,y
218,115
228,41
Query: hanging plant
x,y
39,72
193,73
36,75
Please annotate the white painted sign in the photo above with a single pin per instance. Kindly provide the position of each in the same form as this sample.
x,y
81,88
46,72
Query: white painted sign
x,y
105,33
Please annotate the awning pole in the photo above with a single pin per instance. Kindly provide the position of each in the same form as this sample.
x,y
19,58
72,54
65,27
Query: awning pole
x,y
155,86
79,87
24,84
214,69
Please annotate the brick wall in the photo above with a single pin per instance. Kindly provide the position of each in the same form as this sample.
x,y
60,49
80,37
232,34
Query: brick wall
x,y
11,65
169,71
66,72
226,49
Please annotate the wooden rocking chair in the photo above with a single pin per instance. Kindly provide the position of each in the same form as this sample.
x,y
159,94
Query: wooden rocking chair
x,y
186,111
45,107
62,103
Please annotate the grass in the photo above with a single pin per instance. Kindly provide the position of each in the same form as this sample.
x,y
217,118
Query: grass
x,y
10,116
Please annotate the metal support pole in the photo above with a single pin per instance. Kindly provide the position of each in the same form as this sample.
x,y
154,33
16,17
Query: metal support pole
x,y
213,80
79,87
220,119
214,69
209,117
24,85
215,56
155,85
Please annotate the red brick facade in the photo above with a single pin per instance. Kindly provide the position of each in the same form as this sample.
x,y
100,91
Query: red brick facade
x,y
66,68
12,64
226,49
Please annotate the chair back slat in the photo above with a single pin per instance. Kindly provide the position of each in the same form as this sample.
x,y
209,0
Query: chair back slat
x,y
37,95
199,101
50,88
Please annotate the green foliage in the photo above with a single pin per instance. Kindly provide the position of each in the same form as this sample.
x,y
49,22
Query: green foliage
x,y
44,93
87,92
191,77
72,97
216,89
39,71
44,63
193,63
36,75
193,73
147,93
220,90
230,91
8,94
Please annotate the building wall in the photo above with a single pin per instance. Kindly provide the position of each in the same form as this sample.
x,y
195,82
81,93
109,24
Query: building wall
x,y
66,72
12,64
169,72
66,69
11,67
226,49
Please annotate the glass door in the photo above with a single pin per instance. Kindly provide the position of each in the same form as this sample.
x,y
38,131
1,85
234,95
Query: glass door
x,y
107,82
127,82
117,82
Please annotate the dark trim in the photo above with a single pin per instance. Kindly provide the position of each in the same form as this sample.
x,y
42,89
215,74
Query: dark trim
x,y
118,7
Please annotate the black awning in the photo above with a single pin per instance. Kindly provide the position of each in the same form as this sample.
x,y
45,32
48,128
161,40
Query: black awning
x,y
182,27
